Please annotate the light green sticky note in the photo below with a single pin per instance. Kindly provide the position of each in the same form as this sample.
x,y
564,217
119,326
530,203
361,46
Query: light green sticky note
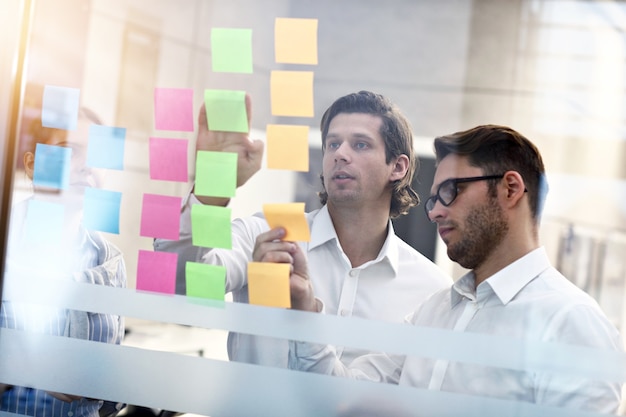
x,y
210,226
226,110
231,50
216,174
205,281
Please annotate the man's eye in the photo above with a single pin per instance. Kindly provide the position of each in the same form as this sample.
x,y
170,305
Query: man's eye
x,y
332,145
360,145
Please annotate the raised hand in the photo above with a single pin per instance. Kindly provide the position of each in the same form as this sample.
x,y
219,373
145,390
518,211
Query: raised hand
x,y
250,152
270,248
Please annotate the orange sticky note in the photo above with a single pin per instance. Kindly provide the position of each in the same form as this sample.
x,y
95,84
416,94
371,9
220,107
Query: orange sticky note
x,y
295,41
292,93
291,217
288,147
268,284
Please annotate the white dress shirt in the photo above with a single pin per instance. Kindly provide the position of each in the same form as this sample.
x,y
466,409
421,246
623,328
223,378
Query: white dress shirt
x,y
527,300
387,288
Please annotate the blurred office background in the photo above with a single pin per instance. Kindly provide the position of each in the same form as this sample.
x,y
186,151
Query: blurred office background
x,y
554,70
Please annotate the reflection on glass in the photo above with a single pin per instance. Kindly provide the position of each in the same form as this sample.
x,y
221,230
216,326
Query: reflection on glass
x,y
48,240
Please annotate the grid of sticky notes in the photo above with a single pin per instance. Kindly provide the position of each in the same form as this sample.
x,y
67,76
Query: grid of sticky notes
x,y
53,170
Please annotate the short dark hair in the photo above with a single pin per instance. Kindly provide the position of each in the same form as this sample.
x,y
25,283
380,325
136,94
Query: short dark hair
x,y
497,149
396,132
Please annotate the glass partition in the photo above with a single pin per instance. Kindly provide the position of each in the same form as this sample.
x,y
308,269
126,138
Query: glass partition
x,y
100,144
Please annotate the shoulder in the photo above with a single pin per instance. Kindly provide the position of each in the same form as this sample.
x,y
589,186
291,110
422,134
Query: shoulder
x,y
415,261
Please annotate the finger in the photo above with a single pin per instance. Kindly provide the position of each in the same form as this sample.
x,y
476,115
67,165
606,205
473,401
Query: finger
x,y
248,109
268,252
277,257
276,233
202,120
300,266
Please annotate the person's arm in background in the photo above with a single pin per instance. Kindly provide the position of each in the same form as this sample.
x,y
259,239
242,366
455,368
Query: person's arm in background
x,y
313,357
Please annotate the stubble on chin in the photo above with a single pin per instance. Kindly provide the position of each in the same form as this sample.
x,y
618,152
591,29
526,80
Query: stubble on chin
x,y
484,229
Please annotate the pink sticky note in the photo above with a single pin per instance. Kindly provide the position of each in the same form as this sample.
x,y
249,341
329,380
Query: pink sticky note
x,y
173,109
160,216
168,159
156,271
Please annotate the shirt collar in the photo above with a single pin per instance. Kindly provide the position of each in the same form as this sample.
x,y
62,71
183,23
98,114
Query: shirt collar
x,y
322,231
505,283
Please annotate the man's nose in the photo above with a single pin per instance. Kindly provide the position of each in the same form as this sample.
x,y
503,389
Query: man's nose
x,y
437,212
342,152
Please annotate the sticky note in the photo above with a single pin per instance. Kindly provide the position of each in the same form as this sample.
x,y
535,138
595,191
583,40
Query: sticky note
x,y
101,210
292,93
231,50
156,271
160,216
291,217
288,147
168,159
173,109
295,41
60,107
205,281
210,226
43,223
226,110
52,166
268,284
106,147
216,174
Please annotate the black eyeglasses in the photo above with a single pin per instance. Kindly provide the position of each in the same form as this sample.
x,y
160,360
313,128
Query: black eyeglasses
x,y
448,190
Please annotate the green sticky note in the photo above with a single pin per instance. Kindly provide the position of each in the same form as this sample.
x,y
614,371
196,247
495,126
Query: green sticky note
x,y
226,110
216,174
231,50
210,226
205,281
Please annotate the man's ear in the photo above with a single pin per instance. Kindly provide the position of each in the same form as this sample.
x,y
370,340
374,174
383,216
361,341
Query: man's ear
x,y
515,187
29,164
400,168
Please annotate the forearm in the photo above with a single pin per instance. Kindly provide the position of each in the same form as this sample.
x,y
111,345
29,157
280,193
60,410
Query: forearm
x,y
323,359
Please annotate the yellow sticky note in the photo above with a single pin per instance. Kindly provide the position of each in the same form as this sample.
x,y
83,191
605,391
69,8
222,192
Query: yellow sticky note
x,y
292,93
288,147
295,41
291,217
268,284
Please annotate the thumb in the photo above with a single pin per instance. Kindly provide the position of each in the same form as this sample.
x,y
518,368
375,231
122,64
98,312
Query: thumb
x,y
300,266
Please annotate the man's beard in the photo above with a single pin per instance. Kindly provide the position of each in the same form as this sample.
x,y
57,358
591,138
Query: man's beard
x,y
484,229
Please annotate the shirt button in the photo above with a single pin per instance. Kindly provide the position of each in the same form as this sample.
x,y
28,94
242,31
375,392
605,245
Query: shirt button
x,y
343,312
354,272
70,413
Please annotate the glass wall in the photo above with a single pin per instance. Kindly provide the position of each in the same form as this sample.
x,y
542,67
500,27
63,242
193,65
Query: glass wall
x,y
121,83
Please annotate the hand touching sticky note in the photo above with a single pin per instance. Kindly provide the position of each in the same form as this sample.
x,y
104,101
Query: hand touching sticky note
x,y
291,217
268,284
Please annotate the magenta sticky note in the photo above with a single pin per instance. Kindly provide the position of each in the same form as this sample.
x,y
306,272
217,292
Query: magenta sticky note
x,y
173,109
168,159
160,216
156,271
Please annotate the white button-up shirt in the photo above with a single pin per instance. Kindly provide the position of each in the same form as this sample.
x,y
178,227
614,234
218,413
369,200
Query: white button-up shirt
x,y
527,300
386,288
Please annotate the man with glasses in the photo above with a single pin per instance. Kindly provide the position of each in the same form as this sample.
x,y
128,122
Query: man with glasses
x,y
488,192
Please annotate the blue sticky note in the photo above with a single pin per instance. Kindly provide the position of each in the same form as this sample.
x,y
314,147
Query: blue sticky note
x,y
106,147
44,222
52,166
101,210
60,107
